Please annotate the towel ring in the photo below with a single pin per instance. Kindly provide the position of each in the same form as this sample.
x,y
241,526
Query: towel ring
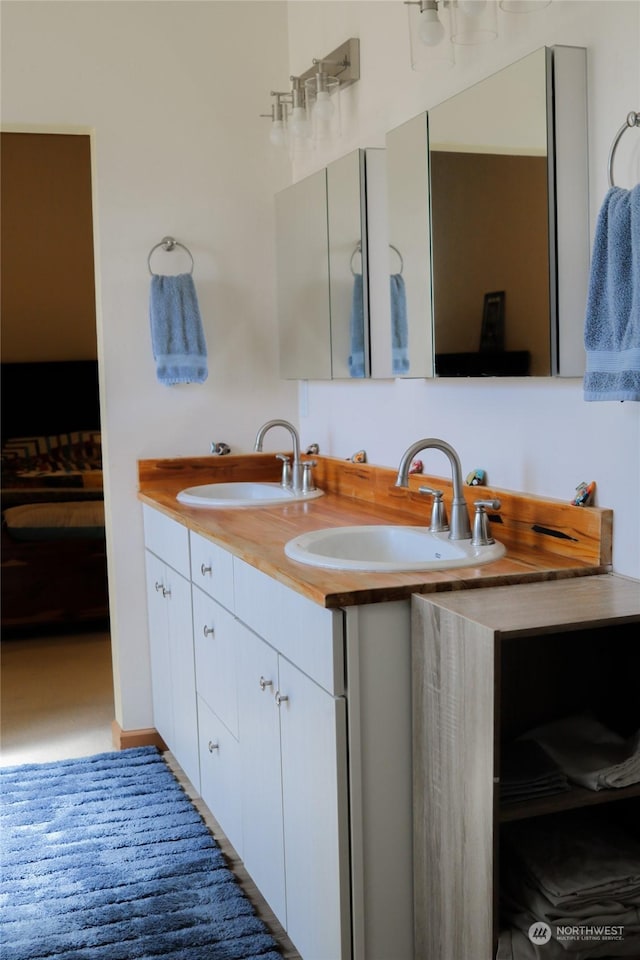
x,y
168,244
633,120
358,249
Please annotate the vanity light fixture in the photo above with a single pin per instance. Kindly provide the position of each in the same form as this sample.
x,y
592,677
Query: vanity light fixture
x,y
311,109
436,26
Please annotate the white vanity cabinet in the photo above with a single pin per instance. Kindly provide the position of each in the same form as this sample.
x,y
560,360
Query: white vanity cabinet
x,y
294,768
301,718
171,639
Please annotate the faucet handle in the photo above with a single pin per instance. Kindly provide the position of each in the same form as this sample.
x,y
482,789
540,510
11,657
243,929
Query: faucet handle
x,y
286,470
307,480
481,536
438,513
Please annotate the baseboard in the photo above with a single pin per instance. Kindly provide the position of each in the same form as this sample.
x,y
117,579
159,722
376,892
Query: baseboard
x,y
122,739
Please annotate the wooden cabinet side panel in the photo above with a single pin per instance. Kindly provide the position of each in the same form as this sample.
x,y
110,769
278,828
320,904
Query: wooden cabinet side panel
x,y
453,672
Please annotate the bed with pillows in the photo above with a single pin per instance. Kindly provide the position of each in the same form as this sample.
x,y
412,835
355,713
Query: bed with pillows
x,y
53,540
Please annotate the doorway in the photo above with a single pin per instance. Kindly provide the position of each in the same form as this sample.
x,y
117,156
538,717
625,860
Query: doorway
x,y
55,615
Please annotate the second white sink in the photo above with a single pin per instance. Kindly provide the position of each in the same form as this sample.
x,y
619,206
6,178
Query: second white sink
x,y
387,549
241,494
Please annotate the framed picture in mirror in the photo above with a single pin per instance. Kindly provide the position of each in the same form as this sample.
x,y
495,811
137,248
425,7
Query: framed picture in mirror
x,y
492,333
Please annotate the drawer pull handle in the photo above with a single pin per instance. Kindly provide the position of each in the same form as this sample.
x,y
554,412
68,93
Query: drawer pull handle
x,y
166,592
265,683
280,698
208,631
159,587
213,746
204,570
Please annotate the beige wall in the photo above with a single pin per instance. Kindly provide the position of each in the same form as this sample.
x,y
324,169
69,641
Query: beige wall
x,y
170,94
48,289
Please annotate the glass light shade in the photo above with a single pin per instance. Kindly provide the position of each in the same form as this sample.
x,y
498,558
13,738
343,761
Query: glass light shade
x,y
430,29
324,107
299,125
473,21
429,37
278,133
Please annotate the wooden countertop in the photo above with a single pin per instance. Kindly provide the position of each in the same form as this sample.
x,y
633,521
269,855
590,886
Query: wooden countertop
x,y
538,548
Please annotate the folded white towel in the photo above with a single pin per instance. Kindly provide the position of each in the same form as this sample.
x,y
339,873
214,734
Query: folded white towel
x,y
589,753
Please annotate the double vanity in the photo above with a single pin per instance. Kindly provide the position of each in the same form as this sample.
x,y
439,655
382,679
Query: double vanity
x,y
284,688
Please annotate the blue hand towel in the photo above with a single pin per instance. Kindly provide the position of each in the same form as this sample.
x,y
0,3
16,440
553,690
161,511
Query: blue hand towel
x,y
356,328
177,335
399,327
612,326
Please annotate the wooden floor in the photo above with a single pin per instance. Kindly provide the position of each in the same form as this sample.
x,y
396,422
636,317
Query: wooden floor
x,y
57,703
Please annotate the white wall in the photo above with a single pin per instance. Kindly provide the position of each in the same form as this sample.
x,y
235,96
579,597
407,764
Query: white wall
x,y
535,436
172,92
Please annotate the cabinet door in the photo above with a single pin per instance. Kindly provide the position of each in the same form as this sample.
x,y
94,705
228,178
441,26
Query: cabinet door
x,y
262,831
314,789
183,681
215,636
173,682
159,648
302,262
220,774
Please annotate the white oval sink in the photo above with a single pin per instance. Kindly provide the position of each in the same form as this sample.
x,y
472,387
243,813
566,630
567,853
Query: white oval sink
x,y
241,494
387,549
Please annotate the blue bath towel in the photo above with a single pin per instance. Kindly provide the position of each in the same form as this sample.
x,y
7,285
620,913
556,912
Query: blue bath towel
x,y
356,328
612,327
177,335
399,326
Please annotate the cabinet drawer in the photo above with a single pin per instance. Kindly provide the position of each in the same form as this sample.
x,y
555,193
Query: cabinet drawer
x,y
304,632
216,640
212,569
220,774
167,539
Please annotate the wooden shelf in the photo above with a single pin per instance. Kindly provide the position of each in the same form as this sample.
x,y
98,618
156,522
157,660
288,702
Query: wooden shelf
x,y
569,800
487,666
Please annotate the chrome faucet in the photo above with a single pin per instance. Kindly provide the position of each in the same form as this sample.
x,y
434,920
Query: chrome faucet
x,y
294,479
459,526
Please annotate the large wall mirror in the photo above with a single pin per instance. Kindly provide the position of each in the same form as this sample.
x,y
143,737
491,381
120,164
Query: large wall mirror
x,y
488,205
323,254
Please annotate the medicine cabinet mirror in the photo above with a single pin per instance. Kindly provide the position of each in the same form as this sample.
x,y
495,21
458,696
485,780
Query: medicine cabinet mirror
x,y
323,253
488,206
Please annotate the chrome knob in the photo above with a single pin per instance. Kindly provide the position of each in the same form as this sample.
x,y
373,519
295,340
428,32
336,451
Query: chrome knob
x,y
166,592
280,698
208,631
265,683
213,746
204,570
159,587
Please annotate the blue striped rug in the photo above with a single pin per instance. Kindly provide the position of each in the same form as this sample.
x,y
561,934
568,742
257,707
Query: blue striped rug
x,y
106,858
